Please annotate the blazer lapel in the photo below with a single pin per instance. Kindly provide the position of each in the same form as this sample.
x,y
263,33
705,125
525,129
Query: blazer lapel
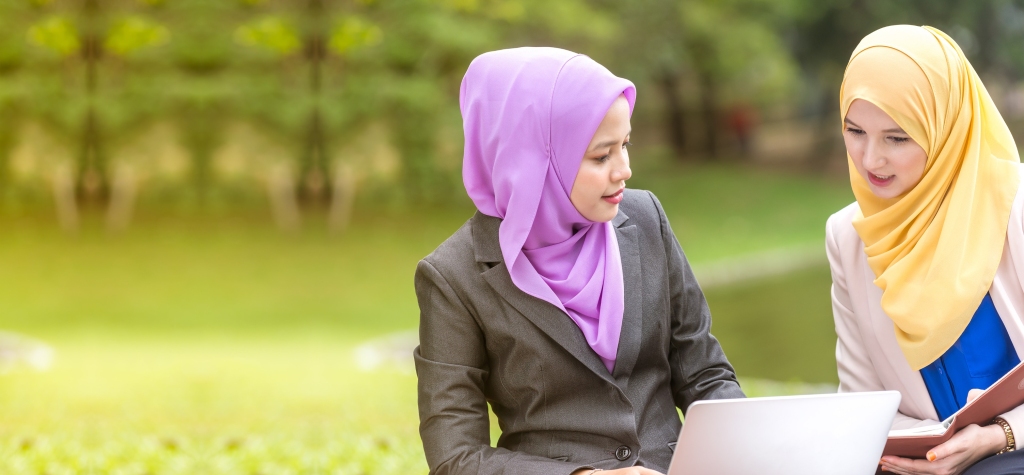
x,y
885,332
632,317
548,318
1007,288
1007,296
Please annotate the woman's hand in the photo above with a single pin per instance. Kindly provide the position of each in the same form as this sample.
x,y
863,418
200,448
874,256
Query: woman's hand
x,y
619,471
957,454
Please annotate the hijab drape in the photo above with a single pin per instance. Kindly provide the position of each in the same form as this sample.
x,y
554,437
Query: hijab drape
x,y
528,116
935,249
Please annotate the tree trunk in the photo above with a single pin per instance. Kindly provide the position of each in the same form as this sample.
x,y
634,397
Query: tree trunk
x,y
709,112
675,118
123,189
313,170
283,198
987,34
824,148
91,172
64,197
342,198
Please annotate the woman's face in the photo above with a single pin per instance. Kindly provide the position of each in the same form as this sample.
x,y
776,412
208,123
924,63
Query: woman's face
x,y
890,161
597,191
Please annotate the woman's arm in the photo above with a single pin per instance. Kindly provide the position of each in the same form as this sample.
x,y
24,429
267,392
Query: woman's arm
x,y
700,369
451,367
856,371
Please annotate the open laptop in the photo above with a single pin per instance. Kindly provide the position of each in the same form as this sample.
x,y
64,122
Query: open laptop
x,y
837,434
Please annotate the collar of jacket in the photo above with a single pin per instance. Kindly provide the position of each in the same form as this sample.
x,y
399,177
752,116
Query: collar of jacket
x,y
550,319
485,235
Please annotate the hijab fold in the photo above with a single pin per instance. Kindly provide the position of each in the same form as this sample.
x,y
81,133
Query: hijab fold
x,y
935,249
528,116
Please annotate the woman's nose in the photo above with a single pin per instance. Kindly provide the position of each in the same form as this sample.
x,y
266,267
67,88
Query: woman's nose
x,y
872,158
622,172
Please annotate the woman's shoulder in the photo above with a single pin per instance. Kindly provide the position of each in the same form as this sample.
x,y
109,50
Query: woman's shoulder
x,y
640,205
462,254
842,242
839,226
452,251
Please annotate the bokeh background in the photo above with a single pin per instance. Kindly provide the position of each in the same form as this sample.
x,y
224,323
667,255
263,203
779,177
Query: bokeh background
x,y
211,210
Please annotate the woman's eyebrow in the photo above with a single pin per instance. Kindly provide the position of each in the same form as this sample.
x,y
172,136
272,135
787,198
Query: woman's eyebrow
x,y
896,130
607,143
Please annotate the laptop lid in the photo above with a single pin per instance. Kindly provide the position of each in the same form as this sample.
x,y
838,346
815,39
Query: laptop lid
x,y
837,434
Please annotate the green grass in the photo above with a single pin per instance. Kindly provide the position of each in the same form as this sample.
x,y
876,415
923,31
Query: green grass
x,y
721,211
159,405
780,328
223,346
214,276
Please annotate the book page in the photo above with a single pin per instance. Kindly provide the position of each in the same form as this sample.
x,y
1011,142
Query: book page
x,y
934,429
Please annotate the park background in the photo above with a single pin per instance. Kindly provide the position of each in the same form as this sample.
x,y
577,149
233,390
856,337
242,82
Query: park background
x,y
211,210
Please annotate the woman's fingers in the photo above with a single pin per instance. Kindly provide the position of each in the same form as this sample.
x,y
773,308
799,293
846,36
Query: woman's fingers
x,y
973,394
949,458
905,466
955,445
899,465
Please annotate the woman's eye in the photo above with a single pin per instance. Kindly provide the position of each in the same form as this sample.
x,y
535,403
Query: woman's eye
x,y
603,159
854,131
626,144
899,140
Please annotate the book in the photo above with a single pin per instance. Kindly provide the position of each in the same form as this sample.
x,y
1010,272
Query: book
x,y
1001,397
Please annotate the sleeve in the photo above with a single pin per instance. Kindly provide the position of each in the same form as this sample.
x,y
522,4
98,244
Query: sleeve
x,y
451,369
1015,417
856,371
700,369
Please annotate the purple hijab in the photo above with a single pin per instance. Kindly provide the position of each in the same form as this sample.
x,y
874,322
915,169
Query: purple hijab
x,y
528,116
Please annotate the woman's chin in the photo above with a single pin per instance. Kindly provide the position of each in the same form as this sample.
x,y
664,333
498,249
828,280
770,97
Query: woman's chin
x,y
608,215
887,192
602,213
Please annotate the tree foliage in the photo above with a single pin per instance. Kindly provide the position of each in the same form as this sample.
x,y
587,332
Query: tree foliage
x,y
315,76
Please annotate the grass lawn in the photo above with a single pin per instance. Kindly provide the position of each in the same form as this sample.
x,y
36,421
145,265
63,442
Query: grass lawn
x,y
137,404
224,347
722,211
778,329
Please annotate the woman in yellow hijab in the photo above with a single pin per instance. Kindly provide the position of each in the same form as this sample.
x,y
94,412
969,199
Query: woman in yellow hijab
x,y
928,263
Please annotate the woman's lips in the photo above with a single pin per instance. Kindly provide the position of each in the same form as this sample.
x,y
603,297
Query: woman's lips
x,y
614,198
880,180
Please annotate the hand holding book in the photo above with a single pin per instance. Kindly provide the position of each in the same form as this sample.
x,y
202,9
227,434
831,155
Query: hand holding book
x,y
1003,396
965,448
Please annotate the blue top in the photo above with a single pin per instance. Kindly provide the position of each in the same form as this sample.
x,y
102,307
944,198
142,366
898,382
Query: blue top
x,y
982,355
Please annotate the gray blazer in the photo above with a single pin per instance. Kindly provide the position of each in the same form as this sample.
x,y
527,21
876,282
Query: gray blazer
x,y
484,341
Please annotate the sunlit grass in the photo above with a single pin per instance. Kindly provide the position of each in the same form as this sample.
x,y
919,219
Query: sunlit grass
x,y
720,211
222,346
278,405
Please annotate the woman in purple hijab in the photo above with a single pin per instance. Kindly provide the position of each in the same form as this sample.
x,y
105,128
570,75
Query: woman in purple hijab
x,y
565,302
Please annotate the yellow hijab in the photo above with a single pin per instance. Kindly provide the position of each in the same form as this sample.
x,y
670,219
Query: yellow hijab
x,y
935,249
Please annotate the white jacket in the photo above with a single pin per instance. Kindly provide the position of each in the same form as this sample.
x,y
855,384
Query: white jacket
x,y
867,355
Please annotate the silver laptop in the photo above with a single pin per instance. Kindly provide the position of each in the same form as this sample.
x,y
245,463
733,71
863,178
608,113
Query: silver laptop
x,y
837,434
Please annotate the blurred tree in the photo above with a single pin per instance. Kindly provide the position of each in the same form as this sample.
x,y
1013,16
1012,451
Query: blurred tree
x,y
305,79
411,77
991,32
309,75
702,55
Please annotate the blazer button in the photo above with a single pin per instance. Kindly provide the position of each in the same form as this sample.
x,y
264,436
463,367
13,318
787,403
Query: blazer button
x,y
622,453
